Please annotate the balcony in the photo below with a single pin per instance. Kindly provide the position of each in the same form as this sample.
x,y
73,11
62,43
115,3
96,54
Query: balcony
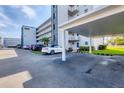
x,y
73,38
72,10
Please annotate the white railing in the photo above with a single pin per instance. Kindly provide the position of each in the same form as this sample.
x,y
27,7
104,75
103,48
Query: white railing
x,y
44,35
46,25
44,31
75,37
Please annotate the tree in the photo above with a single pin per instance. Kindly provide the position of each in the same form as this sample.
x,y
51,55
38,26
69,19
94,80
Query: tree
x,y
45,40
118,40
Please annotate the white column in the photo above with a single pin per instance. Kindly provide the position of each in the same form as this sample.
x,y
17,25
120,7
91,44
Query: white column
x,y
90,43
103,40
63,46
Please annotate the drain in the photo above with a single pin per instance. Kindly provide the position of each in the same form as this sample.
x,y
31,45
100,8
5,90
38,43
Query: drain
x,y
88,71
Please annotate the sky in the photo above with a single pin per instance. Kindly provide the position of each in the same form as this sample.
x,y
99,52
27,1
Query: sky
x,y
13,17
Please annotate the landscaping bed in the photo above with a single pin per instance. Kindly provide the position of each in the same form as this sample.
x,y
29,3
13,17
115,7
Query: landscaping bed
x,y
36,52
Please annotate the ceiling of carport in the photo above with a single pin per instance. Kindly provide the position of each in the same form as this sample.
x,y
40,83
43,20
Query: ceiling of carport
x,y
109,25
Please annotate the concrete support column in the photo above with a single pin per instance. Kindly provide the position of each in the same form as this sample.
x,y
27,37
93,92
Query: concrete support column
x,y
63,46
90,43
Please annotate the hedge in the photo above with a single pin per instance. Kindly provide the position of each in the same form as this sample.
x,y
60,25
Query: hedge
x,y
85,48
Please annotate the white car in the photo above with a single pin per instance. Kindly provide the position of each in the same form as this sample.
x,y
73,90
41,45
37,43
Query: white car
x,y
52,50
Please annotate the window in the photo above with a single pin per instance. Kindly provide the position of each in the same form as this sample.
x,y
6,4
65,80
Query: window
x,y
53,37
53,6
86,43
86,10
37,36
36,28
53,15
77,44
26,28
53,26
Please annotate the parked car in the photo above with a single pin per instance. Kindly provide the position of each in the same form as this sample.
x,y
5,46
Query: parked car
x,y
37,47
70,49
18,46
31,48
52,49
26,47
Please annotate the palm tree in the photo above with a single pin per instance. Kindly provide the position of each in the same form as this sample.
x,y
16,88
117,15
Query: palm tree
x,y
45,40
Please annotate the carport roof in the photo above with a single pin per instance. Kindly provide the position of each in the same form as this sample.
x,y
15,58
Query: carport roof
x,y
107,25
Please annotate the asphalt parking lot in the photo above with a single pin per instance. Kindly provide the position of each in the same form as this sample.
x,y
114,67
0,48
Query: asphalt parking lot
x,y
22,68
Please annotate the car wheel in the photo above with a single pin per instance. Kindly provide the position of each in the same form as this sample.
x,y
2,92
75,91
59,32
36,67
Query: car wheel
x,y
52,52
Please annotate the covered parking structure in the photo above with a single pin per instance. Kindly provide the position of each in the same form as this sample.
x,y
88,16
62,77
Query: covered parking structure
x,y
107,20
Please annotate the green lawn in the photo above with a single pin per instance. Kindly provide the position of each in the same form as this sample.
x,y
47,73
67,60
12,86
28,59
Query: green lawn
x,y
108,51
37,52
112,50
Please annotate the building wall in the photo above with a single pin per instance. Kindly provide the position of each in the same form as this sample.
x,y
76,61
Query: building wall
x,y
54,19
64,16
84,41
11,42
83,9
1,42
44,30
28,35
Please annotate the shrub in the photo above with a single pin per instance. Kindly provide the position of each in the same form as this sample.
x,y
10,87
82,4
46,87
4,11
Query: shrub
x,y
119,41
101,47
45,40
85,48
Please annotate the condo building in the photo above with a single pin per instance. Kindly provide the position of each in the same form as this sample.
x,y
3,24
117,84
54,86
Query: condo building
x,y
59,15
28,36
94,22
66,13
11,42
44,30
49,28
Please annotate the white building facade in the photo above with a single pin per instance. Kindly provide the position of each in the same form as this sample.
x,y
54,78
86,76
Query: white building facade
x,y
100,21
11,42
28,36
66,13
44,30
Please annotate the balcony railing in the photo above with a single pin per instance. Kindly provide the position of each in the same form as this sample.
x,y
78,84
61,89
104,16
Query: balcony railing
x,y
74,38
72,10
